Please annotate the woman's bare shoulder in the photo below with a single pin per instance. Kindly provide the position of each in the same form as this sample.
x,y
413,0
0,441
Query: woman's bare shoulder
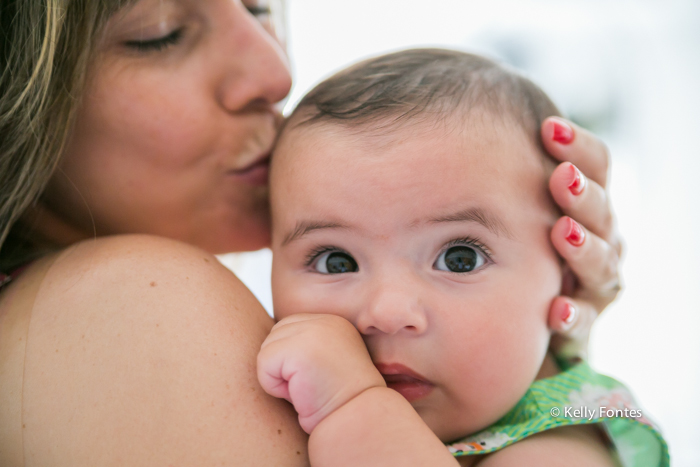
x,y
135,256
142,350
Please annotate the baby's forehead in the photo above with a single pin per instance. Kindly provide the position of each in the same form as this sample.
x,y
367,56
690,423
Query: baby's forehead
x,y
478,127
496,154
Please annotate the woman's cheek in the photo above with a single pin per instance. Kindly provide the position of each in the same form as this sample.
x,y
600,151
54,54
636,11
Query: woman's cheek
x,y
164,129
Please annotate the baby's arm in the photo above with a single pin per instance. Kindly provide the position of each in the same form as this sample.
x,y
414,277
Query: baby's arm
x,y
320,364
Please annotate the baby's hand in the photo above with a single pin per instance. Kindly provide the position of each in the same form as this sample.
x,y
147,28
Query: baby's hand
x,y
318,363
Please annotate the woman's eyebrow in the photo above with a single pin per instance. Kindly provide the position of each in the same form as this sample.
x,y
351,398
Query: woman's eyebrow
x,y
478,215
304,227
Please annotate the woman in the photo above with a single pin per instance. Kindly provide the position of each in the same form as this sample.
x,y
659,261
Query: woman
x,y
140,349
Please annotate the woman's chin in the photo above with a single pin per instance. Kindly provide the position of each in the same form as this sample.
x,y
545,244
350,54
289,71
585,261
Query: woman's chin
x,y
251,237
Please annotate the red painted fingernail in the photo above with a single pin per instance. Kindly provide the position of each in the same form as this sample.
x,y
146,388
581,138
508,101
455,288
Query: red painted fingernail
x,y
569,314
576,235
578,181
563,133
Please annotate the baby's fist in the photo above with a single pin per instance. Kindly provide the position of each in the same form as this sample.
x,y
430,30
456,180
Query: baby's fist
x,y
318,363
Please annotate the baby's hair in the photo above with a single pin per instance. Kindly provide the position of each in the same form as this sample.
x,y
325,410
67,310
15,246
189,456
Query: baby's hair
x,y
423,85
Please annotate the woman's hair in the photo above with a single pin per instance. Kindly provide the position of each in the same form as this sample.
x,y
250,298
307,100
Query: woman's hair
x,y
45,49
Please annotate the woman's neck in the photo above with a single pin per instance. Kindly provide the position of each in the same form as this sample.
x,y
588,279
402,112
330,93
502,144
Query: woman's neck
x,y
46,230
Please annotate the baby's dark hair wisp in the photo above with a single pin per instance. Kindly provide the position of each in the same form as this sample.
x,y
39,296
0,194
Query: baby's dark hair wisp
x,y
424,85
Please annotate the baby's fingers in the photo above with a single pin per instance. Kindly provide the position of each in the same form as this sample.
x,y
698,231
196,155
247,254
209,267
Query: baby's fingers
x,y
583,200
593,261
566,141
271,371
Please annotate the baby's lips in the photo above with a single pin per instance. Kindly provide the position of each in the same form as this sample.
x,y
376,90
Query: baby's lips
x,y
398,370
407,382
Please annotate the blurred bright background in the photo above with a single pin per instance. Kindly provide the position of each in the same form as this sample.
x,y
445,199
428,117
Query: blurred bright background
x,y
630,72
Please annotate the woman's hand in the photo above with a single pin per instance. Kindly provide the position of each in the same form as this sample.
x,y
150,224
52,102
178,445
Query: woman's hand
x,y
586,237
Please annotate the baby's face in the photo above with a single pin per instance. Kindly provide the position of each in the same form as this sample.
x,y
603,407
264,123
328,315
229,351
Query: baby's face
x,y
435,245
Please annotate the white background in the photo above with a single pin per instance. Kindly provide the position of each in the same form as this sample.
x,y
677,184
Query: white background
x,y
628,70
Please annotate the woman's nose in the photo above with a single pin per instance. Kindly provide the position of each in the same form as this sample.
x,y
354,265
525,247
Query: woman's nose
x,y
393,309
256,67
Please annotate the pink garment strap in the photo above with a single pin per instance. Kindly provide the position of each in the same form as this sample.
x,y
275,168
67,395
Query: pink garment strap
x,y
7,278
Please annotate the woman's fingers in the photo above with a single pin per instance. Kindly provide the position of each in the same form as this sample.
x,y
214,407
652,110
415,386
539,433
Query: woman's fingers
x,y
593,261
591,246
568,142
571,320
583,200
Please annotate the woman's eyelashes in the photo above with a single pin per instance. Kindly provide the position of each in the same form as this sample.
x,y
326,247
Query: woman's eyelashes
x,y
157,44
462,256
259,10
332,261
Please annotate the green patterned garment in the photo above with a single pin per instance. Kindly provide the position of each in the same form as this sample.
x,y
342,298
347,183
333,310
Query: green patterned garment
x,y
576,396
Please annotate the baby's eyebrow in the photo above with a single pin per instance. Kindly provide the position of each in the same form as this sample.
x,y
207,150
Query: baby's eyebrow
x,y
304,227
478,215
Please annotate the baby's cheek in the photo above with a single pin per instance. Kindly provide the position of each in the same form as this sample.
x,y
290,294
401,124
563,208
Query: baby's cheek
x,y
501,363
284,297
292,295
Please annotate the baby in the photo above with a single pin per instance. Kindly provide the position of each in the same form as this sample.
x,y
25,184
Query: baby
x,y
411,252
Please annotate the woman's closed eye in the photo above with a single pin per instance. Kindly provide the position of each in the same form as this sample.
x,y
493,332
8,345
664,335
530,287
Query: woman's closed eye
x,y
462,256
332,261
259,10
158,43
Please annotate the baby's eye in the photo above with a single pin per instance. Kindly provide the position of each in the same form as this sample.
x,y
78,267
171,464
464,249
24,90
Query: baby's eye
x,y
335,262
460,258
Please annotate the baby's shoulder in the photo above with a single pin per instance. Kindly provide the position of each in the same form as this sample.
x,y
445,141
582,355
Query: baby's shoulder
x,y
579,446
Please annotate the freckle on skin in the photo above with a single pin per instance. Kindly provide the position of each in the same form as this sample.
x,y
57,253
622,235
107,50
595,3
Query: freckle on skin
x,y
298,453
279,432
153,284
206,260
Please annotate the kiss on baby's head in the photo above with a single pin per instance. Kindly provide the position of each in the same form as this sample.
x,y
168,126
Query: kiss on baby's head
x,y
408,196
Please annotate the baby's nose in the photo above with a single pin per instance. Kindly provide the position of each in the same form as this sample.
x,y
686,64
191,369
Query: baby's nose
x,y
391,310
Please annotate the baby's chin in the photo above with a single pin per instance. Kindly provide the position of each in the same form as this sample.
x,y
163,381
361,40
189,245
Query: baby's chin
x,y
452,422
452,425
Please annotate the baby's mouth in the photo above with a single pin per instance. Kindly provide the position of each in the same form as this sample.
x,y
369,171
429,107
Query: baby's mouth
x,y
405,381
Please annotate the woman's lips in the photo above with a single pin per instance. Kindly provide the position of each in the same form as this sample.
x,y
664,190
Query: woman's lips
x,y
256,173
405,381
